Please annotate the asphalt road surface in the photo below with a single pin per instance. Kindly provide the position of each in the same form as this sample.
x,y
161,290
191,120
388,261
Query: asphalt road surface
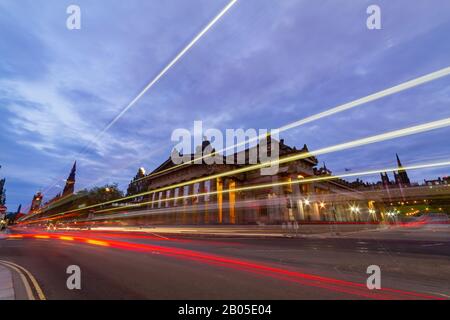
x,y
414,264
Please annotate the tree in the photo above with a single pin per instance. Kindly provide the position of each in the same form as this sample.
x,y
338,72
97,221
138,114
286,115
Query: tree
x,y
2,191
105,193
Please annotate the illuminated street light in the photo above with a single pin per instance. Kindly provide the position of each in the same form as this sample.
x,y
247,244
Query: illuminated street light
x,y
390,213
307,202
322,205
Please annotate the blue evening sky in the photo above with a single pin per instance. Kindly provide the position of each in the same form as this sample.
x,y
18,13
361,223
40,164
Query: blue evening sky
x,y
264,64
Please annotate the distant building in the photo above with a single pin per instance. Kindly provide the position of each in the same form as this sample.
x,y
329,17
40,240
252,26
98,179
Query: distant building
x,y
137,185
438,182
401,179
36,202
69,187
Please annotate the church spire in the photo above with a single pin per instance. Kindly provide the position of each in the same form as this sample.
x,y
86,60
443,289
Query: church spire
x,y
398,161
70,182
401,178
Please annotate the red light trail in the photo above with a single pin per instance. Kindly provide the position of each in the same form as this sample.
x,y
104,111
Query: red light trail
x,y
327,283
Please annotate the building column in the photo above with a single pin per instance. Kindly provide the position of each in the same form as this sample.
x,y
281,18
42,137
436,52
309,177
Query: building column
x,y
212,202
177,194
297,202
288,204
170,196
232,200
316,212
185,204
175,202
163,199
201,202
301,210
154,203
171,217
277,213
190,204
219,187
158,199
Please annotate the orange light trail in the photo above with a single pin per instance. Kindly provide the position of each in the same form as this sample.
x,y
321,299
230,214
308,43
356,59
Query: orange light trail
x,y
15,236
41,237
66,238
97,242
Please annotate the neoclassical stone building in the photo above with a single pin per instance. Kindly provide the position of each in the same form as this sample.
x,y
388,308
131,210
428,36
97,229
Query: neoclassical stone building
x,y
246,197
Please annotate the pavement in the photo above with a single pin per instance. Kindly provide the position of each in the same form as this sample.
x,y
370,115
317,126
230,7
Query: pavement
x,y
16,283
6,284
142,265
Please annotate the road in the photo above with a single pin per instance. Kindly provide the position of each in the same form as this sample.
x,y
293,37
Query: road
x,y
414,264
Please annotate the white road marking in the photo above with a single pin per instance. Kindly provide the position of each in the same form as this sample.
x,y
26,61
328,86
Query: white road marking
x,y
432,245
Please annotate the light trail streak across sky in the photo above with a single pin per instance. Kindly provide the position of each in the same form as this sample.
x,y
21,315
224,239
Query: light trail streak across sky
x,y
157,78
346,106
169,66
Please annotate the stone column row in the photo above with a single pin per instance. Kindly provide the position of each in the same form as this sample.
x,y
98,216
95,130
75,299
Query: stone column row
x,y
213,211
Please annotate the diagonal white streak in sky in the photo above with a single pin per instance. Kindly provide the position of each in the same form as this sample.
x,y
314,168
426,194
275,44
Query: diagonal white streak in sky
x,y
378,95
170,65
343,107
158,77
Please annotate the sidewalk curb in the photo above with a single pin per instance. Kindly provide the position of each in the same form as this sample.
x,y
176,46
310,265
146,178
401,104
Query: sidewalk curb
x,y
6,284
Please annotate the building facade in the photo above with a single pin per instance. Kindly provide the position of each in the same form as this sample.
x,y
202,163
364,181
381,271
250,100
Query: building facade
x,y
246,197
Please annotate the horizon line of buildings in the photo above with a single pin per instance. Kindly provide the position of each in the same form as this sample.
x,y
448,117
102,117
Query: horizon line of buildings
x,y
227,199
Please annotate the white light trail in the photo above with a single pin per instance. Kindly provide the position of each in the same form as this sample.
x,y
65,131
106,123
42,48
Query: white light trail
x,y
158,77
346,106
170,65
